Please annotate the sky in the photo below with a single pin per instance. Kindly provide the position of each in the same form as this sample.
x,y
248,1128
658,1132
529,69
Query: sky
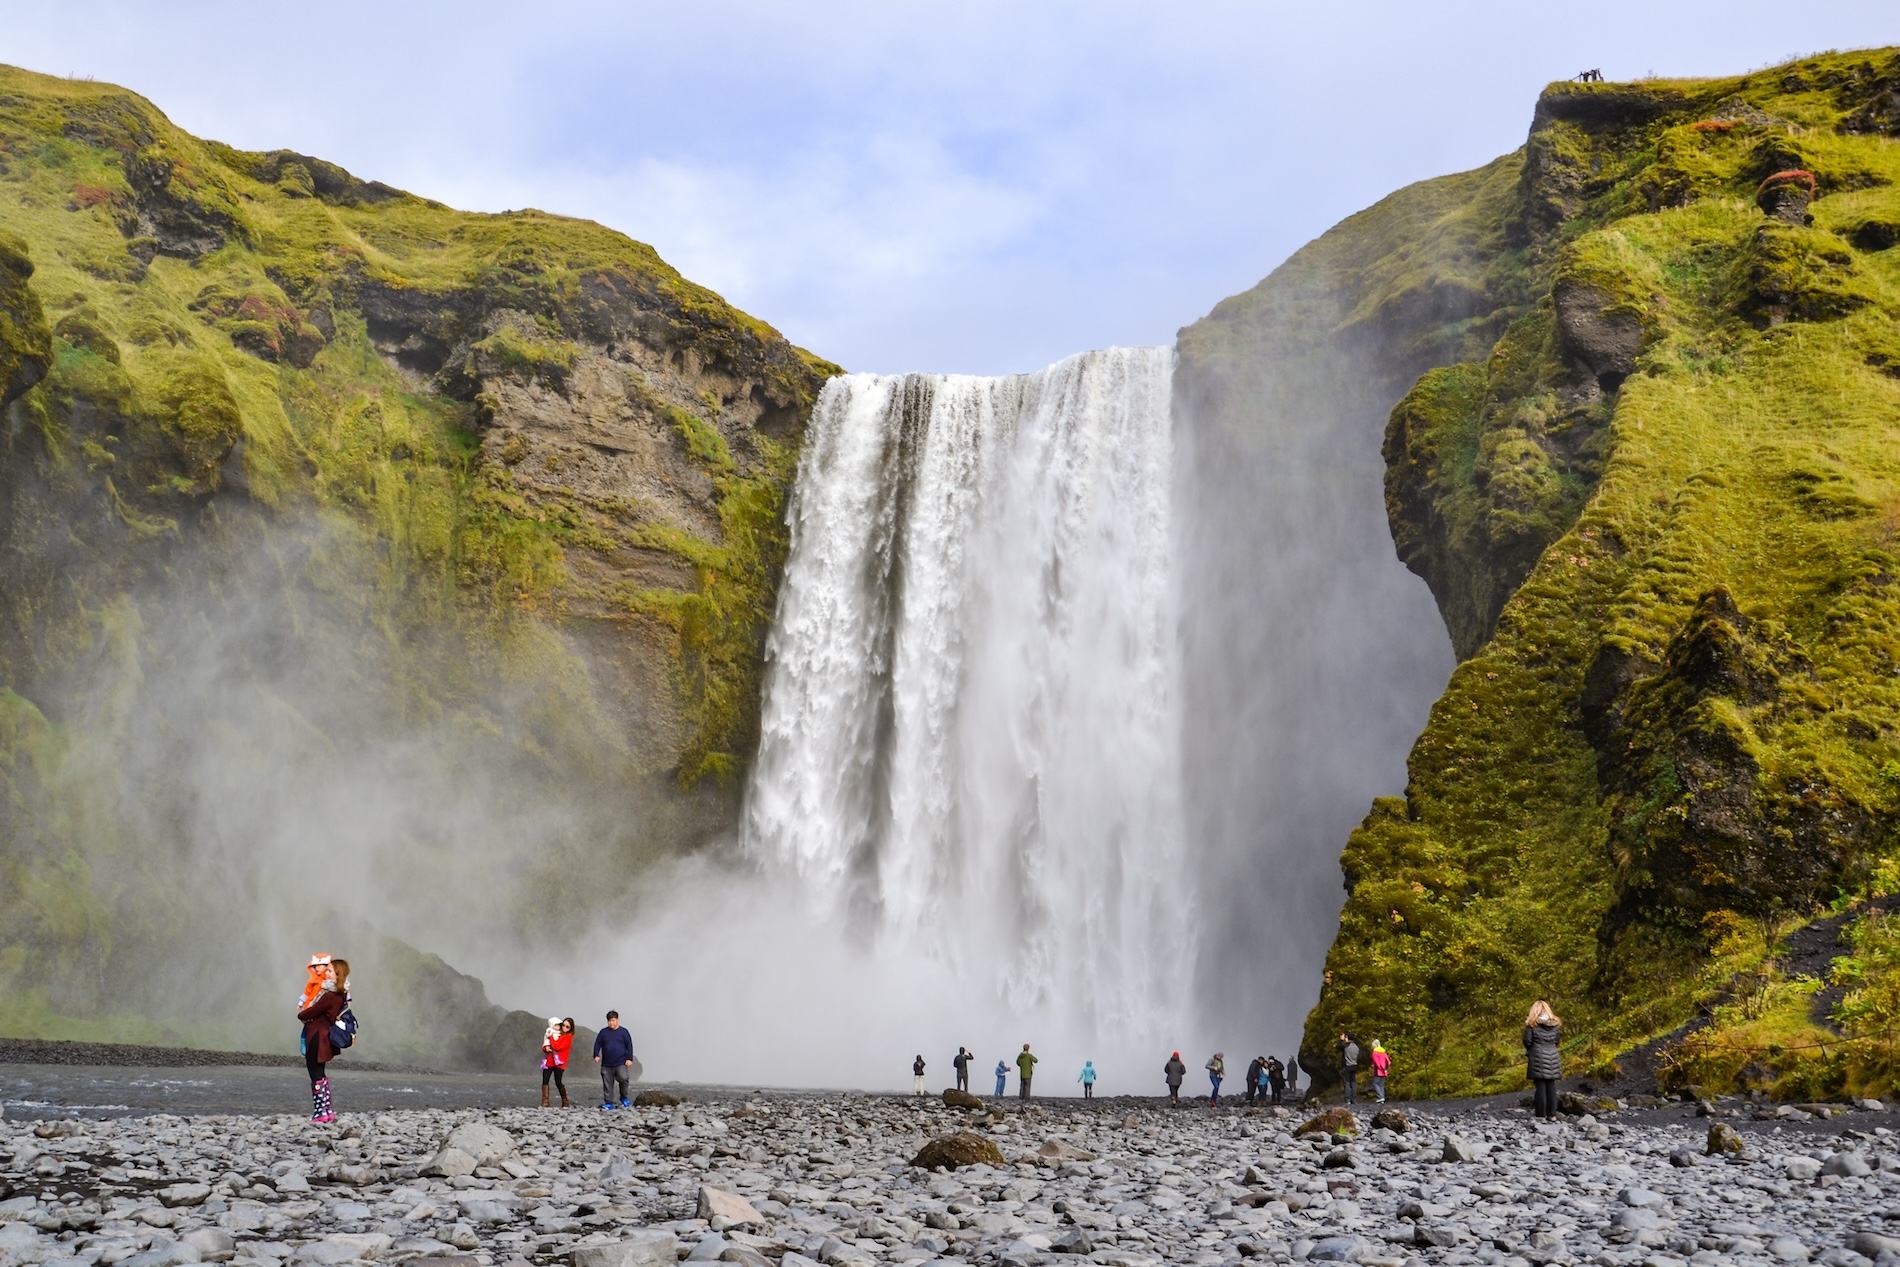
x,y
977,187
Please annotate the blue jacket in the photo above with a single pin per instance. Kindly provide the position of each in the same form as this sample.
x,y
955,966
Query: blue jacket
x,y
613,1047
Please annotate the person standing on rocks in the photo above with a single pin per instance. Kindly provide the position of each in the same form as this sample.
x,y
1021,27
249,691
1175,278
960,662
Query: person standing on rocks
x,y
1176,1073
1002,1075
1381,1066
1542,1030
1025,1070
1349,1066
1293,1077
1256,1077
318,1051
1087,1079
555,1047
1216,1072
917,1075
962,1065
613,1052
1276,1078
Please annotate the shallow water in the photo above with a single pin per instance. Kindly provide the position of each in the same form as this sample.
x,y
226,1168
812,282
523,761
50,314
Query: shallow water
x,y
41,1091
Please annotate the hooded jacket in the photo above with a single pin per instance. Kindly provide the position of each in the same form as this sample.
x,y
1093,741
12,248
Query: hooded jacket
x,y
1175,1070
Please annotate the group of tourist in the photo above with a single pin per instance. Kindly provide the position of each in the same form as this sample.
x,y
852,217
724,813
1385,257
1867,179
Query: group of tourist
x,y
329,1027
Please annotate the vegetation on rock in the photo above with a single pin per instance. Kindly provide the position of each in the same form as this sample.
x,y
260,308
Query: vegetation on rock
x,y
504,488
1659,514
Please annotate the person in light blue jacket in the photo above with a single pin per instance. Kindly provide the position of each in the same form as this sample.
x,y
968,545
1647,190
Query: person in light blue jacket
x,y
1002,1072
1087,1079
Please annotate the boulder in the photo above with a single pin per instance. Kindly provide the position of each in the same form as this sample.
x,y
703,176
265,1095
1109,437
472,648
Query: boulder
x,y
1724,1140
642,1247
1801,1168
957,1099
485,1142
1340,1159
450,1163
949,1152
184,1194
1392,1120
1332,1122
1873,1244
652,1099
1338,1249
1847,1165
716,1204
1054,1152
214,1244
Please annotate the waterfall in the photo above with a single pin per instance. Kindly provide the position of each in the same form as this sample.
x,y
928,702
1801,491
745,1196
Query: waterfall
x,y
970,741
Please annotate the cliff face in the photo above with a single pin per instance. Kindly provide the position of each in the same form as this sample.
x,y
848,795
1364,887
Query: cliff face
x,y
346,535
1658,513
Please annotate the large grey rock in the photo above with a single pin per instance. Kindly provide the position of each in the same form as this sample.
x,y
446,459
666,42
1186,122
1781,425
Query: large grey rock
x,y
716,1205
449,1163
185,1194
484,1141
1458,1148
1873,1244
1849,1165
1787,1249
643,1247
165,1252
1338,1249
1801,1168
214,1244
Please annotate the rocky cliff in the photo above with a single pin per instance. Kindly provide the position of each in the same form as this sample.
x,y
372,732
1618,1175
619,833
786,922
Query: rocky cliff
x,y
358,555
1654,485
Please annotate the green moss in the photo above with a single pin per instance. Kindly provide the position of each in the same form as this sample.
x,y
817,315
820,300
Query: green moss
x,y
1677,725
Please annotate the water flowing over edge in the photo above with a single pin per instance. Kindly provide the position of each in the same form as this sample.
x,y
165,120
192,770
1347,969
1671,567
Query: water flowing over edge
x,y
970,732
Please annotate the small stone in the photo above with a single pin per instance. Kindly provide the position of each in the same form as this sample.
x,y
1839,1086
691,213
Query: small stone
x,y
1437,1235
1055,1151
1686,1158
1871,1106
1803,1169
1073,1241
1338,1249
1457,1148
1335,1121
214,1244
1788,1250
655,1099
1724,1140
1340,1159
184,1194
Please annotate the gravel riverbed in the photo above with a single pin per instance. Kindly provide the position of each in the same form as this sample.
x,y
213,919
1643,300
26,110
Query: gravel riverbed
x,y
796,1178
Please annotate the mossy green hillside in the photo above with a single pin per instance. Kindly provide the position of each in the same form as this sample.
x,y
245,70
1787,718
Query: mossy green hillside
x,y
252,392
1658,515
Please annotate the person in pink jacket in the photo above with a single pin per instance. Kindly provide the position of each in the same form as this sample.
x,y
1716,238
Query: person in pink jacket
x,y
1381,1066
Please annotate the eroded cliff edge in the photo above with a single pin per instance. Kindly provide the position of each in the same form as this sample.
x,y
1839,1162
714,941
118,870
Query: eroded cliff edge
x,y
1657,505
357,552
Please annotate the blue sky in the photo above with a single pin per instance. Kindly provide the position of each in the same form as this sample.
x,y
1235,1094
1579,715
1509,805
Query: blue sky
x,y
977,187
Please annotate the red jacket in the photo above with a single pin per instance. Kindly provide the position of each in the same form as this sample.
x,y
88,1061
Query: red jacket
x,y
317,1020
554,1051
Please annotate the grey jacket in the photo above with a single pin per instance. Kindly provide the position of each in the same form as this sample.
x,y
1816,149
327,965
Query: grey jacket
x,y
1175,1071
1540,1050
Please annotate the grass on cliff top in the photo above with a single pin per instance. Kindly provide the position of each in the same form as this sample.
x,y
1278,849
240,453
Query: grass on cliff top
x,y
1766,461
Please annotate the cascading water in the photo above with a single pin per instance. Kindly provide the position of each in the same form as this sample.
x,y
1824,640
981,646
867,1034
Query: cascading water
x,y
970,742
964,823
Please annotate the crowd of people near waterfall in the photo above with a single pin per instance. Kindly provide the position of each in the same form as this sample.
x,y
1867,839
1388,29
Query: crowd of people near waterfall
x,y
329,1027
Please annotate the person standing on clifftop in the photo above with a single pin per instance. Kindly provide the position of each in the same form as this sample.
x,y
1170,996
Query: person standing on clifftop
x,y
1542,1032
1002,1075
613,1052
962,1066
1175,1072
917,1075
1349,1066
1025,1070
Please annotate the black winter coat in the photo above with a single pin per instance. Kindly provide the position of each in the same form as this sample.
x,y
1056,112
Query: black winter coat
x,y
1175,1071
1540,1050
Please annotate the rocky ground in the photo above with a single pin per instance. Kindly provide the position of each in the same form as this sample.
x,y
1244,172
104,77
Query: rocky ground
x,y
797,1178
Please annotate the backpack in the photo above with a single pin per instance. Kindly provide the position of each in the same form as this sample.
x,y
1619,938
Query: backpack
x,y
343,1032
